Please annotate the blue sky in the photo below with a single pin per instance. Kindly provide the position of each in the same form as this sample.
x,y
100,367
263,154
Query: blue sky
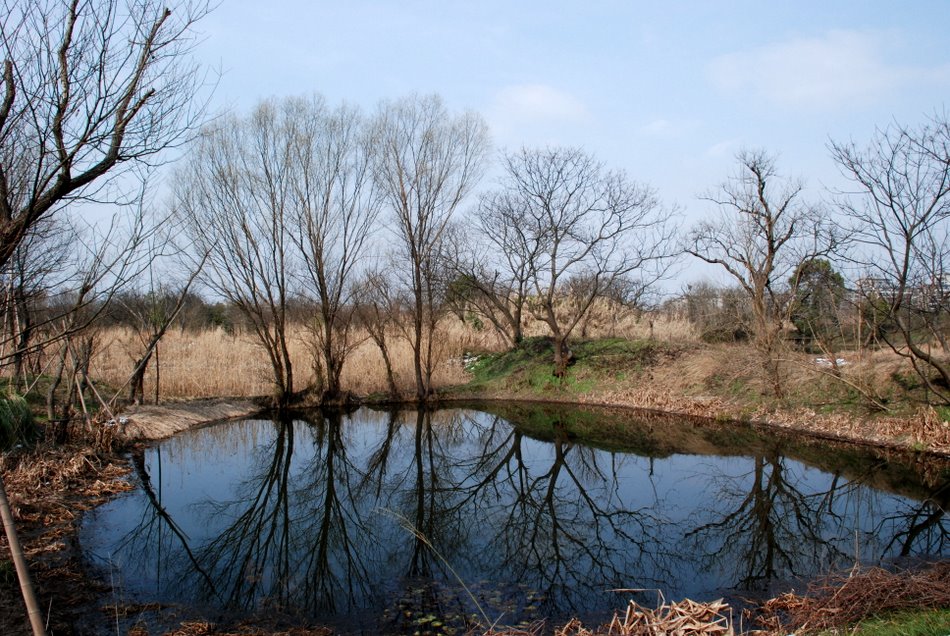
x,y
668,91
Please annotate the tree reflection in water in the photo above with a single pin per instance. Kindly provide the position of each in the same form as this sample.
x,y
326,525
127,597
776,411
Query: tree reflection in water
x,y
764,527
772,525
558,521
401,517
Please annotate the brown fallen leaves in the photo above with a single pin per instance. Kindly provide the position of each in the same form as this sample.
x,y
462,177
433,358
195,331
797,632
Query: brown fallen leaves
x,y
47,488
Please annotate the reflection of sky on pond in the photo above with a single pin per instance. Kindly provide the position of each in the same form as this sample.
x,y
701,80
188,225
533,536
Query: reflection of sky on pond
x,y
310,520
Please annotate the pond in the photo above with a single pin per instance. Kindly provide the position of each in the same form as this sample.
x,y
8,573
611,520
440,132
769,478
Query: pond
x,y
431,521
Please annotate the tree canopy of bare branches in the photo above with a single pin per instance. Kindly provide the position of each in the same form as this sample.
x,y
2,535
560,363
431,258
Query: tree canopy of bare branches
x,y
237,201
570,230
284,202
335,206
89,89
762,233
494,272
427,161
900,219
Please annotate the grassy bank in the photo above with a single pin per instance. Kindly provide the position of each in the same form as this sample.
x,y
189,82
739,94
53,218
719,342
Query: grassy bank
x,y
721,382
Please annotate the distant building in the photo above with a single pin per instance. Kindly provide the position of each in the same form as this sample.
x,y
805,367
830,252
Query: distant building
x,y
930,295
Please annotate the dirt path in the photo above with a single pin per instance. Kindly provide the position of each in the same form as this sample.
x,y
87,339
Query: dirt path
x,y
151,422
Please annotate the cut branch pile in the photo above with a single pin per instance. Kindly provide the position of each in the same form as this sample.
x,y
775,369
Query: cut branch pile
x,y
845,600
683,618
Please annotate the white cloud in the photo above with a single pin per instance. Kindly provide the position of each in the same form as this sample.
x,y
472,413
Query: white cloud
x,y
532,102
668,128
838,68
536,114
724,148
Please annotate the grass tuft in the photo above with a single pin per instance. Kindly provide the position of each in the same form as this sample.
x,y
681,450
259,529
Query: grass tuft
x,y
16,422
906,623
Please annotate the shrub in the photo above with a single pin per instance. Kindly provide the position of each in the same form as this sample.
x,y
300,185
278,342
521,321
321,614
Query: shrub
x,y
16,421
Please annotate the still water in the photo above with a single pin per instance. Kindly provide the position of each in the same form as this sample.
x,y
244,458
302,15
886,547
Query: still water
x,y
401,522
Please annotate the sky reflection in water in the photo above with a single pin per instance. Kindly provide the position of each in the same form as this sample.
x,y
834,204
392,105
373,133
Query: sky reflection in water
x,y
374,521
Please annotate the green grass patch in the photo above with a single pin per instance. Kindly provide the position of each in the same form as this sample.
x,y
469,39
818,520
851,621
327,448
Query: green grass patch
x,y
908,623
529,367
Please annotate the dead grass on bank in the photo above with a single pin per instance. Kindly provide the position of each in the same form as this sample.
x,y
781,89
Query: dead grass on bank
x,y
836,602
845,600
727,382
39,483
150,421
683,618
48,488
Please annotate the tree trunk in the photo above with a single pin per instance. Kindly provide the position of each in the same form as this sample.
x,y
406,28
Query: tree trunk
x,y
562,356
59,426
137,382
380,340
158,375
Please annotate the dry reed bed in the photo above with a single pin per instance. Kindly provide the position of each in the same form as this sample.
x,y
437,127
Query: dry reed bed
x,y
214,363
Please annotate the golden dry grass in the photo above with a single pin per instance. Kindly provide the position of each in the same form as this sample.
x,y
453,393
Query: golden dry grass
x,y
215,363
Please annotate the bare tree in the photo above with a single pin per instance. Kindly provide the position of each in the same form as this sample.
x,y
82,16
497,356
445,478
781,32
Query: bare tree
x,y
285,203
763,232
576,231
426,162
37,266
237,202
493,260
335,206
378,310
900,217
151,318
106,262
90,89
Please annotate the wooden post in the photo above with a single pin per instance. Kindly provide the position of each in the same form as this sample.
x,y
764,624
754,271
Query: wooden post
x,y
22,572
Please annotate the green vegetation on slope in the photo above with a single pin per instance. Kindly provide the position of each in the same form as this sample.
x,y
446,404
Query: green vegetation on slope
x,y
529,367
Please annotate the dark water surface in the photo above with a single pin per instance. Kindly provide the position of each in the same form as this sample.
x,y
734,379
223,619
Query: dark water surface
x,y
426,521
